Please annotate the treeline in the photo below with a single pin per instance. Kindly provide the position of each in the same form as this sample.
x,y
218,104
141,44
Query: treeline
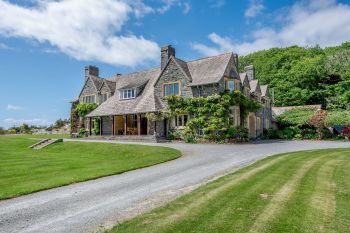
x,y
303,76
28,129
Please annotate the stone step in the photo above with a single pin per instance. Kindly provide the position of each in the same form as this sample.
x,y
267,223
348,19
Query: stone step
x,y
44,143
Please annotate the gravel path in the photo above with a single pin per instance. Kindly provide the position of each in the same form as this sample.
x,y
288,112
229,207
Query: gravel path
x,y
95,205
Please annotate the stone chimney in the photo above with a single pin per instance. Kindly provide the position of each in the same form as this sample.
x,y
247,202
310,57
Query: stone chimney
x,y
91,70
235,57
166,53
250,70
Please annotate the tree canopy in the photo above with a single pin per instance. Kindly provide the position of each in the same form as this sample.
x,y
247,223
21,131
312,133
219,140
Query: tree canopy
x,y
302,76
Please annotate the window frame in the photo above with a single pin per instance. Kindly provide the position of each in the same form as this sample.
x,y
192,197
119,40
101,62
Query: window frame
x,y
227,81
127,94
168,88
89,99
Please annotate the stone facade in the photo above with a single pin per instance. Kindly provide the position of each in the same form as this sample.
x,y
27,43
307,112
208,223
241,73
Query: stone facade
x,y
203,77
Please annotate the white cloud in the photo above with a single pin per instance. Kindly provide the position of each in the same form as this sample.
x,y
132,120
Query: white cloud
x,y
83,29
306,24
4,46
217,3
255,7
186,7
9,122
14,107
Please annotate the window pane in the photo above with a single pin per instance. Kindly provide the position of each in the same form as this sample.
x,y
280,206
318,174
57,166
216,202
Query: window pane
x,y
125,94
231,85
133,93
176,88
171,91
180,121
166,89
185,119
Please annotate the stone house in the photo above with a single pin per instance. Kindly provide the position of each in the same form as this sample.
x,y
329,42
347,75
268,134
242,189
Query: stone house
x,y
124,100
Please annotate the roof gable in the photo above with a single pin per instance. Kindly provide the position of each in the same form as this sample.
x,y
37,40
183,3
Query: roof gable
x,y
89,79
244,79
208,70
264,90
180,64
254,86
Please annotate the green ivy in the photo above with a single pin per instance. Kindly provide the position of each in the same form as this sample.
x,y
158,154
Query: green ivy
x,y
211,114
96,129
85,108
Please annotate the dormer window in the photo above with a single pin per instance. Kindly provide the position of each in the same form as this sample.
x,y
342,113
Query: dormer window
x,y
128,94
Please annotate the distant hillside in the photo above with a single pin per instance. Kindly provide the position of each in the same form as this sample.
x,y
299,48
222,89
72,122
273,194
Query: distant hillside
x,y
305,75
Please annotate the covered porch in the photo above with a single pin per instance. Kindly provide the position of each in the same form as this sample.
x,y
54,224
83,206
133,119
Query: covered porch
x,y
121,125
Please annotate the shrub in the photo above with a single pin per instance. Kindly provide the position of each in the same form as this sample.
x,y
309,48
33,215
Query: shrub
x,y
309,133
338,117
11,131
271,134
2,131
82,132
295,117
318,121
346,131
96,129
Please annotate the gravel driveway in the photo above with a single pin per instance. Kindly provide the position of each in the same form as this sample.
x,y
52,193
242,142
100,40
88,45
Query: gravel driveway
x,y
99,204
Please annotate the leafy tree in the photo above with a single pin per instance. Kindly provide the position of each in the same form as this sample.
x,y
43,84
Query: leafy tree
x,y
2,131
302,76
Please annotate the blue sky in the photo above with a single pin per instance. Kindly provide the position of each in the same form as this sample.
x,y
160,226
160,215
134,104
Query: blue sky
x,y
45,44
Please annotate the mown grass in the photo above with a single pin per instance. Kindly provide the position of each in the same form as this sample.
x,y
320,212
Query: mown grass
x,y
296,192
24,170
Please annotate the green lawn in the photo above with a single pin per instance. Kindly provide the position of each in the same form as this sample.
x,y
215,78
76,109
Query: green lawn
x,y
24,170
296,192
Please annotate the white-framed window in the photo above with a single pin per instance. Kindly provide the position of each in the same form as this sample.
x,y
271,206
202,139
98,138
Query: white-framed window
x,y
89,99
128,94
230,85
104,97
181,120
171,88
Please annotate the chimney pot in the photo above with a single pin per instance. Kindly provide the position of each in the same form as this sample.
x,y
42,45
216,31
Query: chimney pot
x,y
166,53
91,71
250,70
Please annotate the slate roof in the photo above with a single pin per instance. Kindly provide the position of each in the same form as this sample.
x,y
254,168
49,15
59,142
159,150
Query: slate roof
x,y
97,81
144,102
208,70
200,72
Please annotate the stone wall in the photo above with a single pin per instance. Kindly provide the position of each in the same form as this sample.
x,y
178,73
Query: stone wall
x,y
173,73
88,89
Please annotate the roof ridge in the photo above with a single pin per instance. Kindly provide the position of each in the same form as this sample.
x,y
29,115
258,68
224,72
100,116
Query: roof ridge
x,y
218,55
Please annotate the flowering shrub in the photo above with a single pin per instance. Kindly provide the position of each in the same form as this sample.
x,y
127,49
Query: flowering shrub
x,y
346,131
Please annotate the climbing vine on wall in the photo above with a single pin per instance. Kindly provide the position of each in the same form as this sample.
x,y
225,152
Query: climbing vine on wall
x,y
211,114
85,108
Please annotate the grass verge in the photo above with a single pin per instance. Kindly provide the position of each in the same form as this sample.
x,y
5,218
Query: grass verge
x,y
305,191
24,170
